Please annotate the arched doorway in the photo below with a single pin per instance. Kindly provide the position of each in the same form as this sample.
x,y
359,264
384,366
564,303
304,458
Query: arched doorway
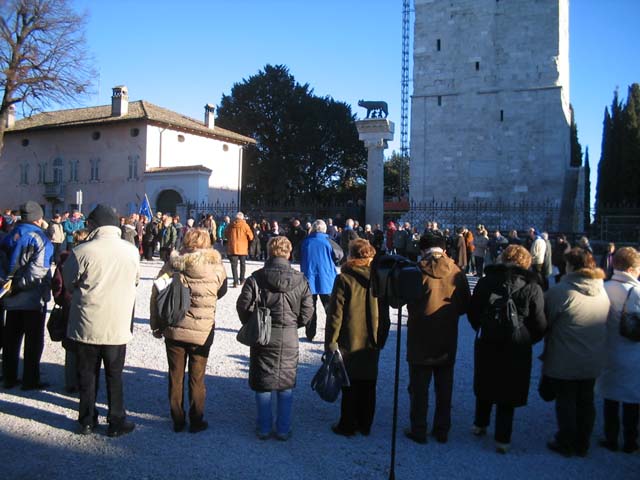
x,y
167,201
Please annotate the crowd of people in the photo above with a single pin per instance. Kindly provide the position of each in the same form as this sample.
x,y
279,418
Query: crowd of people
x,y
528,290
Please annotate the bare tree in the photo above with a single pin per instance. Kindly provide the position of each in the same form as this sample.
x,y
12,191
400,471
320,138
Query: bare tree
x,y
43,55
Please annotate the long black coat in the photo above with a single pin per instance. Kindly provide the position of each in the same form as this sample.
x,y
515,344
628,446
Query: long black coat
x,y
502,374
286,293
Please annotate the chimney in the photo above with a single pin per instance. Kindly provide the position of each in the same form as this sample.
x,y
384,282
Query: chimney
x,y
11,117
209,119
119,101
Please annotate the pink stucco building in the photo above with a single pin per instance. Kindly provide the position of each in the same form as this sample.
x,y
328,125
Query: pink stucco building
x,y
116,154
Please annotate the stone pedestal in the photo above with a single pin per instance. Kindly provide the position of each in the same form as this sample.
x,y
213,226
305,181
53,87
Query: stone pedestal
x,y
375,132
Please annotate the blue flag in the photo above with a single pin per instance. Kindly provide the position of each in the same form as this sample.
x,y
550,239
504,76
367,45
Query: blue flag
x,y
145,208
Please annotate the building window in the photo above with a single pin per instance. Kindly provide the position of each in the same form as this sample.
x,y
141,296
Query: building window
x,y
181,138
25,142
134,132
502,115
225,147
73,170
58,170
438,44
95,170
133,167
477,66
439,101
42,172
95,135
24,174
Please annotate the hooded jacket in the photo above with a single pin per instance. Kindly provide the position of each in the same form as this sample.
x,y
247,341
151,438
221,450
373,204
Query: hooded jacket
x,y
201,271
502,374
285,292
238,235
102,274
576,310
432,336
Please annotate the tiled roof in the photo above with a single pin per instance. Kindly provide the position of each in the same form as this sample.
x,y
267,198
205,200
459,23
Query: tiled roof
x,y
187,168
138,110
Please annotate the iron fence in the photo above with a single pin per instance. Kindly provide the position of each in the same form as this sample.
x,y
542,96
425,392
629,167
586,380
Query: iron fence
x,y
500,215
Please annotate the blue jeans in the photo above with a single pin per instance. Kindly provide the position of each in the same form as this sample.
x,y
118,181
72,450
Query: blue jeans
x,y
265,413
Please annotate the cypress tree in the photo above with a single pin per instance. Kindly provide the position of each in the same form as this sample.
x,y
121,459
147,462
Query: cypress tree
x,y
587,190
576,148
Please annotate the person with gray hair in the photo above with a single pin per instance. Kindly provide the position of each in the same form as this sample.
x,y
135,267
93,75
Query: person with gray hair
x,y
238,236
318,257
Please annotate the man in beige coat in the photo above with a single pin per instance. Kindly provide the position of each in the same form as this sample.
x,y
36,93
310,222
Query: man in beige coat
x,y
101,275
238,235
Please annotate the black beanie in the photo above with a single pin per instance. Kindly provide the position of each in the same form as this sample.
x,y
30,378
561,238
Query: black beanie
x,y
31,211
104,215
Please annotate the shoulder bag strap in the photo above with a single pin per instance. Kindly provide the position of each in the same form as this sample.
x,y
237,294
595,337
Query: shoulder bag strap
x,y
369,320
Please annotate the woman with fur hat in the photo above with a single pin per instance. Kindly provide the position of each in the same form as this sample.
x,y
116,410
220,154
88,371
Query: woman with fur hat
x,y
190,339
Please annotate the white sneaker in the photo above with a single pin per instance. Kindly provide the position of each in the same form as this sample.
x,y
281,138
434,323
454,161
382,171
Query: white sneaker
x,y
478,431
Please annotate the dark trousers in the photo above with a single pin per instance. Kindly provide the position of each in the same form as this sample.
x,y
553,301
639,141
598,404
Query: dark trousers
x,y
178,354
234,267
57,250
88,358
312,327
419,381
358,406
539,269
147,250
479,266
630,418
1,327
30,325
504,419
575,413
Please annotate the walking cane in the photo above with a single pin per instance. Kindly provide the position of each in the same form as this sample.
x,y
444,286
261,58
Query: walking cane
x,y
392,468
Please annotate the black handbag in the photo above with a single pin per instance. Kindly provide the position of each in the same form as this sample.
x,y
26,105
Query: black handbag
x,y
257,330
629,322
330,377
56,325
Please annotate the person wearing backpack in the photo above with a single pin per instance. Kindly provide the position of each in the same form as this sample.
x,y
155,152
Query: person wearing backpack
x,y
432,338
188,340
507,312
575,349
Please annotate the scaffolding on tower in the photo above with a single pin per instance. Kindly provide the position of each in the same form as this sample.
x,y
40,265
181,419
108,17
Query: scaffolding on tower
x,y
404,100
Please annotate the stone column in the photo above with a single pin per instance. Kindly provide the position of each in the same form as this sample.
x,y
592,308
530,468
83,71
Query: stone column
x,y
375,132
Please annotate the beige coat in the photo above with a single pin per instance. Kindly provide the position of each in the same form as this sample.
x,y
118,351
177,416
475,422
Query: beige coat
x,y
203,273
577,310
101,275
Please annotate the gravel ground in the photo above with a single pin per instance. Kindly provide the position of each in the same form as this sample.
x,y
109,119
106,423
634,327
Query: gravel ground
x,y
37,439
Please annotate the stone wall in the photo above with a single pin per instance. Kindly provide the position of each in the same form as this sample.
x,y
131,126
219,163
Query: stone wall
x,y
490,111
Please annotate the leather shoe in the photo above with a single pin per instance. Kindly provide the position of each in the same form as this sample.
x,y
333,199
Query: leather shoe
x,y
554,446
85,430
198,426
120,428
411,435
8,384
338,430
178,426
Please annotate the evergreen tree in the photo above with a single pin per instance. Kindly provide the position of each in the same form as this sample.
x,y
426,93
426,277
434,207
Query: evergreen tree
x,y
392,168
307,146
587,190
576,148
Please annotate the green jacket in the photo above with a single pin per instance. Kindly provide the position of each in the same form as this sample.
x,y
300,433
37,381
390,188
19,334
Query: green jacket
x,y
347,321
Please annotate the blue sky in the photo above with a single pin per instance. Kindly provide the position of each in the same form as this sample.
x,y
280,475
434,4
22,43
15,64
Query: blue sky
x,y
182,55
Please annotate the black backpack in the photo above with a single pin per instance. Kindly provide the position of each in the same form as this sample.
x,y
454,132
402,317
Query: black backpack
x,y
500,323
173,302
